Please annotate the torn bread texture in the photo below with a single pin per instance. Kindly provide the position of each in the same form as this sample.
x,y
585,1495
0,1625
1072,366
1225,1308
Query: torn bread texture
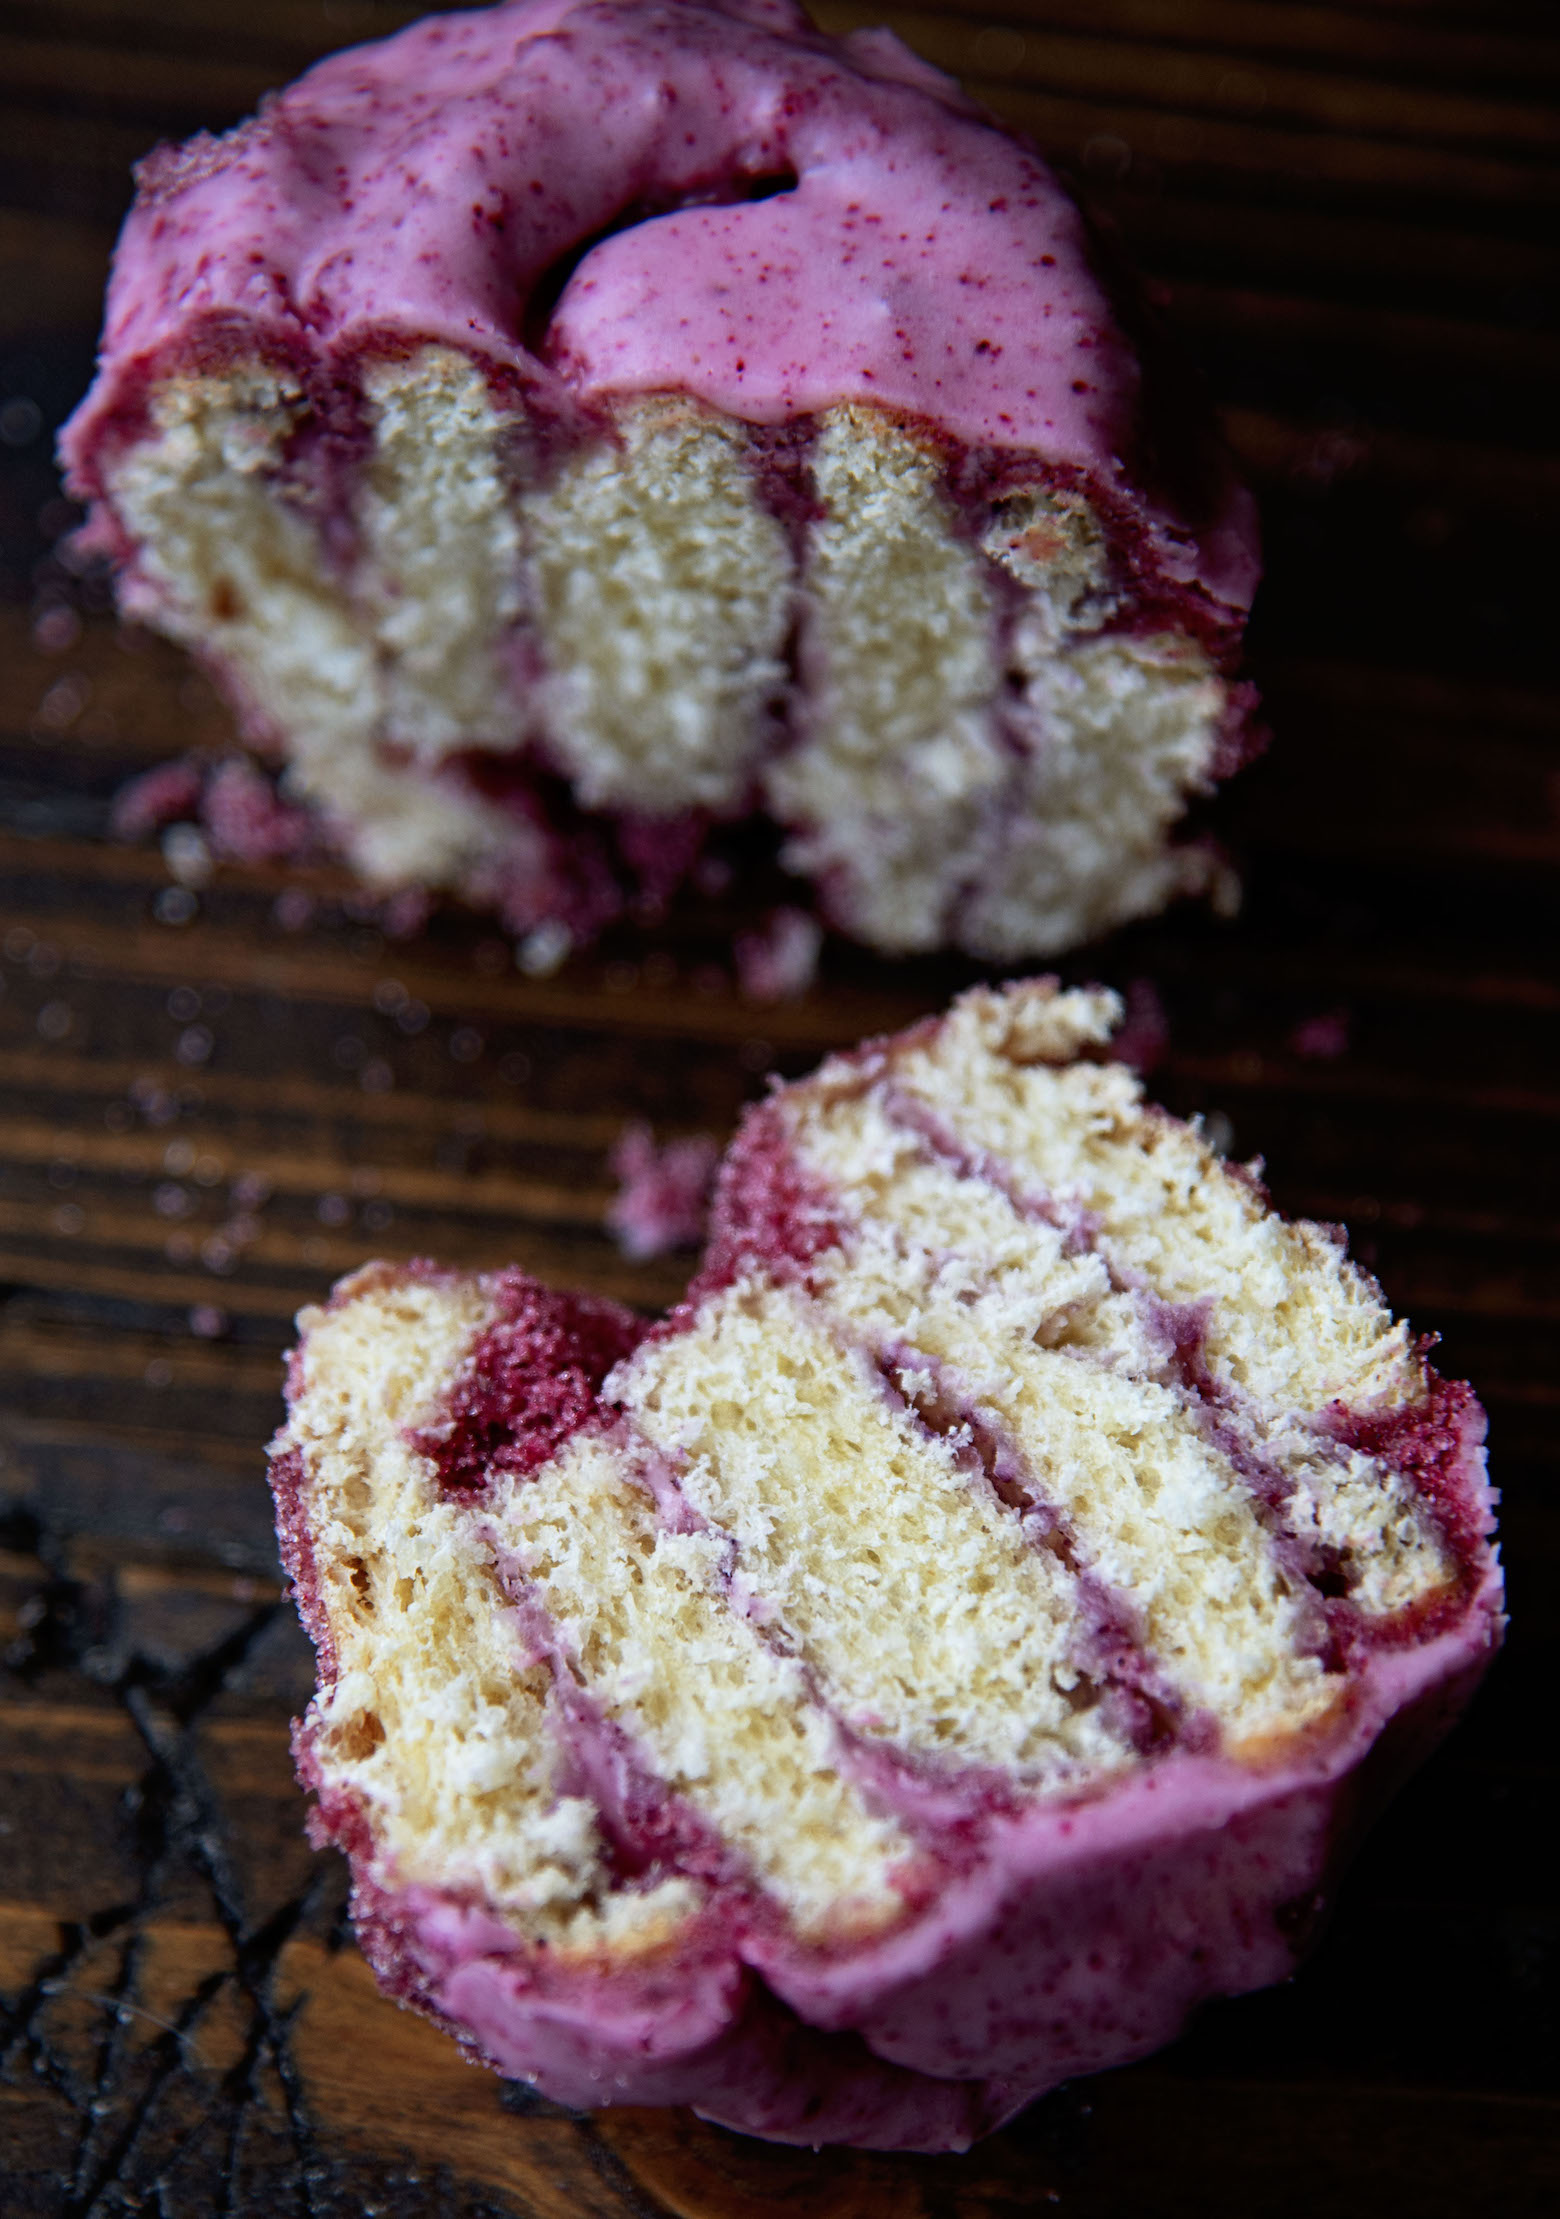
x,y
927,1663
955,718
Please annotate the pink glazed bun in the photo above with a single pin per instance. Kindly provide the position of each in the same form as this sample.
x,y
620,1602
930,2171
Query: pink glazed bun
x,y
575,428
955,1643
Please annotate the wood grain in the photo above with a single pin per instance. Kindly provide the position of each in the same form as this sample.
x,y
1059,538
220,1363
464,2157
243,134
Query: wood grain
x,y
1350,209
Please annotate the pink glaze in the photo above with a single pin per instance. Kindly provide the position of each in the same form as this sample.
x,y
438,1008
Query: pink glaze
x,y
1079,1938
701,2030
434,187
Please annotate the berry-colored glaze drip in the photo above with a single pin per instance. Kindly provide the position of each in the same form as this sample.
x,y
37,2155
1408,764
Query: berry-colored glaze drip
x,y
530,1380
772,221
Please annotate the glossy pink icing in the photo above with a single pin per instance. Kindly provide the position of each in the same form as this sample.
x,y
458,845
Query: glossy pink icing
x,y
425,188
1078,1938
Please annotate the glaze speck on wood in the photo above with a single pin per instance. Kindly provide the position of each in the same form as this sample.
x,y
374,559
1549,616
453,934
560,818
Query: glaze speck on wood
x,y
212,1105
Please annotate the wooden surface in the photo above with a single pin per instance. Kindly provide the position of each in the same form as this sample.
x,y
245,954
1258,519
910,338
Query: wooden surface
x,y
1353,209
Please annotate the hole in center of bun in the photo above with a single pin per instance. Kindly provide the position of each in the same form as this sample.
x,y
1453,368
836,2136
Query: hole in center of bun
x,y
548,290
